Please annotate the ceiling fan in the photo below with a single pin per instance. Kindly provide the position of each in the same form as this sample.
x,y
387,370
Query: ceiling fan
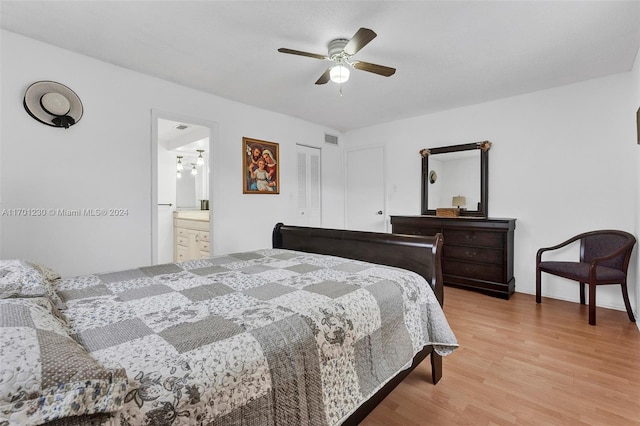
x,y
340,52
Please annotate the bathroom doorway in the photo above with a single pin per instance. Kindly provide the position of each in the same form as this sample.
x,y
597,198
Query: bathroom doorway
x,y
181,188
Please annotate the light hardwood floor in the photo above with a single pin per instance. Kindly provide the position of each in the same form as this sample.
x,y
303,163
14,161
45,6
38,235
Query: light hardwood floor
x,y
524,363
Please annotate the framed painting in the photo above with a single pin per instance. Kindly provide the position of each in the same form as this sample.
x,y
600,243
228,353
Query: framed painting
x,y
260,167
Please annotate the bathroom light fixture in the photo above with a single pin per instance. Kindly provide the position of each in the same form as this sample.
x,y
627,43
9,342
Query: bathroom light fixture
x,y
194,171
200,160
179,165
179,174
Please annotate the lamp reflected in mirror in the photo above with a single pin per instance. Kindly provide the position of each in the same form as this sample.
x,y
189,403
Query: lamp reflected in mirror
x,y
459,201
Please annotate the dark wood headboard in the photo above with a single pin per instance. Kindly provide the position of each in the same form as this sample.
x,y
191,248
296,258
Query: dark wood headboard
x,y
419,254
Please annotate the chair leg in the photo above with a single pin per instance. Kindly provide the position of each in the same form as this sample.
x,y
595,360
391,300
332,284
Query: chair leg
x,y
625,296
538,285
582,293
592,304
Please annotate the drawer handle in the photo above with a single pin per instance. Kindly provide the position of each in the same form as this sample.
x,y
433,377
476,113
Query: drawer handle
x,y
471,236
471,253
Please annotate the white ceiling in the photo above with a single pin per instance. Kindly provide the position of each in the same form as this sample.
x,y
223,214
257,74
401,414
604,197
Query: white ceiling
x,y
189,139
447,53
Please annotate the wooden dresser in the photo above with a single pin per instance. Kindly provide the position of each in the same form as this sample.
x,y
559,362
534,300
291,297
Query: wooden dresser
x,y
191,235
477,252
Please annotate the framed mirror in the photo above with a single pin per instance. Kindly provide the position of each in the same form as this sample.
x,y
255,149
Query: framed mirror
x,y
456,176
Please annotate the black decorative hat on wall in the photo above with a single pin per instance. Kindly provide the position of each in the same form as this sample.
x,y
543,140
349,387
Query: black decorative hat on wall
x,y
53,104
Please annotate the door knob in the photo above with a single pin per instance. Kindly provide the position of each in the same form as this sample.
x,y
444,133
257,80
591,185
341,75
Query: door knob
x,y
379,211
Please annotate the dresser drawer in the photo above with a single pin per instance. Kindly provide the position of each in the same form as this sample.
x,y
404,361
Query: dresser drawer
x,y
412,230
182,241
181,232
196,225
473,254
182,254
203,236
476,271
203,246
464,237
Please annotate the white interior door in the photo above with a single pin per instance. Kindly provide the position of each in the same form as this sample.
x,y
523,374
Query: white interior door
x,y
309,188
365,190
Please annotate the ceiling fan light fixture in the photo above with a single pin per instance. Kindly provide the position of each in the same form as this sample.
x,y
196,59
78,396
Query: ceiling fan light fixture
x,y
339,74
340,52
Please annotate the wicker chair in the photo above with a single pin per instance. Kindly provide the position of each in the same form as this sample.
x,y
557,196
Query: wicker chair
x,y
604,259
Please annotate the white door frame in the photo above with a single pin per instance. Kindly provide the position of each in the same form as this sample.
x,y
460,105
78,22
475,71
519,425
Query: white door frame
x,y
384,183
213,146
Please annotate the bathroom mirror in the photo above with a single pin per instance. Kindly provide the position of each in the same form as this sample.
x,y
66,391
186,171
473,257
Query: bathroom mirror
x,y
456,173
192,182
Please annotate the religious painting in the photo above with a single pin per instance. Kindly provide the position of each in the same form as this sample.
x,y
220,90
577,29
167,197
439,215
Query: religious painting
x,y
261,173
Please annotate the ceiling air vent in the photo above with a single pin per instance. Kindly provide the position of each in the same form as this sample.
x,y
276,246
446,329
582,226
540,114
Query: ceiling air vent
x,y
333,140
181,127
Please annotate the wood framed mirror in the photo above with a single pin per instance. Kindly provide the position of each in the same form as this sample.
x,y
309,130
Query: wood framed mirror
x,y
456,174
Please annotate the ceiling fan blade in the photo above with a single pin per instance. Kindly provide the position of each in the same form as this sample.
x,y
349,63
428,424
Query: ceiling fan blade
x,y
359,40
324,78
300,53
376,69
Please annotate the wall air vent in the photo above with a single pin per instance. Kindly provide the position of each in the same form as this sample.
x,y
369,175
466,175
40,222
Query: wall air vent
x,y
333,140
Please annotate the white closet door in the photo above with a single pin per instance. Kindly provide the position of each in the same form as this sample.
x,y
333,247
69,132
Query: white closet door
x,y
309,186
365,190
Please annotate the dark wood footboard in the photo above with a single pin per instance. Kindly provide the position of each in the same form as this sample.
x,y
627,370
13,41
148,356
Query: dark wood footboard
x,y
419,254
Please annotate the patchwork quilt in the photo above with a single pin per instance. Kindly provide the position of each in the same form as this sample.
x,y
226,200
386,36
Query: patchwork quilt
x,y
270,337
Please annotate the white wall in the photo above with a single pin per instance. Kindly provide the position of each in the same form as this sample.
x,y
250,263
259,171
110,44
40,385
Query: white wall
x,y
104,161
563,161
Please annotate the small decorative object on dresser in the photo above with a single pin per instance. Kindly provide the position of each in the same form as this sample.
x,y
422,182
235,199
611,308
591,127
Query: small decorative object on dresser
x,y
477,253
448,212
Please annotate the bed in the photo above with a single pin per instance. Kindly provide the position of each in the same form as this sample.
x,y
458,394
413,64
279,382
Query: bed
x,y
316,330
